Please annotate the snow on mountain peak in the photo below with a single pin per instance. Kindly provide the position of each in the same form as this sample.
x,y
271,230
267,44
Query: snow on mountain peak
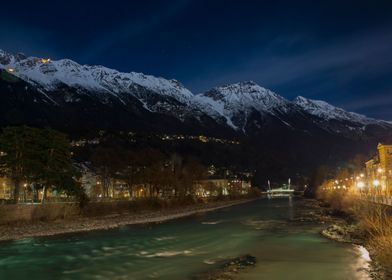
x,y
235,102
327,111
247,94
50,73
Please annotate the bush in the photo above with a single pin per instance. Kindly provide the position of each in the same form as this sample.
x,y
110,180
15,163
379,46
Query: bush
x,y
382,245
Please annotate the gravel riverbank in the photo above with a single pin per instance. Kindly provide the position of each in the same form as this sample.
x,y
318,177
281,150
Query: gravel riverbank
x,y
83,224
343,228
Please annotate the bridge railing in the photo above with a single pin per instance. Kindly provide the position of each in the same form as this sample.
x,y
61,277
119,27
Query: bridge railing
x,y
380,199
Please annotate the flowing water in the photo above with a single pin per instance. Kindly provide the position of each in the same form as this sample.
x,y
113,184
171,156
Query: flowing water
x,y
284,247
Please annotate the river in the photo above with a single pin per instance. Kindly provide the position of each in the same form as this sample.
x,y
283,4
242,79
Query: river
x,y
271,230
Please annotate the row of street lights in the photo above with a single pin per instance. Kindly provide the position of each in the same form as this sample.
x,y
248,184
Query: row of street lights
x,y
360,182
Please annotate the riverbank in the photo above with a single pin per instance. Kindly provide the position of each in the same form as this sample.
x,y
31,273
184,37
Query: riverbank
x,y
83,224
343,226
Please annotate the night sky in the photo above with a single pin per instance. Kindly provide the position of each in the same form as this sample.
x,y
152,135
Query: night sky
x,y
338,51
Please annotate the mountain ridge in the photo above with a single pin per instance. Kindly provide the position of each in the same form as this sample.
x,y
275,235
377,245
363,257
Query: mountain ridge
x,y
243,107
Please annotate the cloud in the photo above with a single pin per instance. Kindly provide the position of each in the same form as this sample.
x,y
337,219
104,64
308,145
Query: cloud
x,y
352,72
372,101
345,59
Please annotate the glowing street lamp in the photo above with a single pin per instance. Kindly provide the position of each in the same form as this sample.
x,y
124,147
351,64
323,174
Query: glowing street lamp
x,y
360,185
376,183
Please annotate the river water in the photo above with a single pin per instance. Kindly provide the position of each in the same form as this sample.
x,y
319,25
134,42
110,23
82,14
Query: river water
x,y
271,230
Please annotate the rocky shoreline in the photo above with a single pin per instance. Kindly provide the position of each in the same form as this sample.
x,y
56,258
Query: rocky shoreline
x,y
342,228
336,227
83,224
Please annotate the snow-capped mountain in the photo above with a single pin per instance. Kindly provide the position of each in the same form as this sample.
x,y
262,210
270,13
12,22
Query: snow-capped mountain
x,y
236,102
49,75
327,111
337,120
64,91
246,102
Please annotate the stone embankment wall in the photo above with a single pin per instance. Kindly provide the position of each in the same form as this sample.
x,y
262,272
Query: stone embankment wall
x,y
10,214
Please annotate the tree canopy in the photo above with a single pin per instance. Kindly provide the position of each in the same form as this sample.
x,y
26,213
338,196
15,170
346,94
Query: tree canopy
x,y
38,156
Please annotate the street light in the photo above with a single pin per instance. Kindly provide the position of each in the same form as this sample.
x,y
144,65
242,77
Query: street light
x,y
360,185
376,183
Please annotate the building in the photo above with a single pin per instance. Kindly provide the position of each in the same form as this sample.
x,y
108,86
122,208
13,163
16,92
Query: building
x,y
221,186
379,169
385,157
239,187
211,187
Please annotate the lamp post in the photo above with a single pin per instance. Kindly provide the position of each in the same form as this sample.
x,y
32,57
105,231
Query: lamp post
x,y
360,186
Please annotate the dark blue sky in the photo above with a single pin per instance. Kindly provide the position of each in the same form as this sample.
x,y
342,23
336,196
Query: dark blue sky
x,y
338,51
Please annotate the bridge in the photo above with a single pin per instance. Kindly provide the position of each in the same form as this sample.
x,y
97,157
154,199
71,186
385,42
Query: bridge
x,y
280,191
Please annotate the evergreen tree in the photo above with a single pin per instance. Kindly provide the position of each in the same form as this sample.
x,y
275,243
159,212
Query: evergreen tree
x,y
40,156
55,170
19,158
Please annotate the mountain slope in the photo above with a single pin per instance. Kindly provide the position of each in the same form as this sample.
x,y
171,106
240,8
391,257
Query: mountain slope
x,y
80,88
237,102
102,82
339,121
327,111
103,98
